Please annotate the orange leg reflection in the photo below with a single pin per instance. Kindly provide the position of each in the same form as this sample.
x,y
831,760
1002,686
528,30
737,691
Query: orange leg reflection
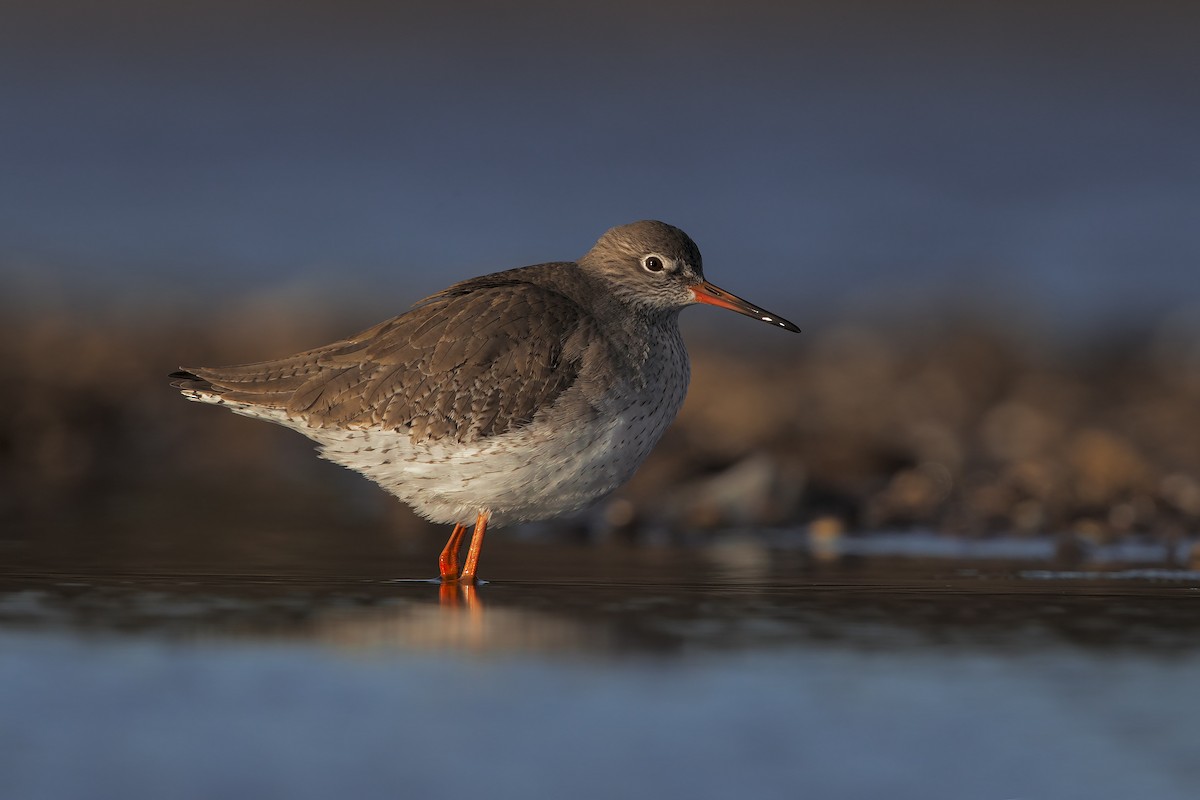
x,y
448,560
454,594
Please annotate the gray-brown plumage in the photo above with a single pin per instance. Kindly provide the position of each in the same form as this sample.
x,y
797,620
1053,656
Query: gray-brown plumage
x,y
411,373
518,395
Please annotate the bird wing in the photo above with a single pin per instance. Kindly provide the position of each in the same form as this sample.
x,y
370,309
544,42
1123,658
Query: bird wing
x,y
477,360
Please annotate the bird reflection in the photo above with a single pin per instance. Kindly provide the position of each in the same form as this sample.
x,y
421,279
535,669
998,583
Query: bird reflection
x,y
460,596
455,621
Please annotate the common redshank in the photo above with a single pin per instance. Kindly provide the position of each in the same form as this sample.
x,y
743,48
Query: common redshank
x,y
520,395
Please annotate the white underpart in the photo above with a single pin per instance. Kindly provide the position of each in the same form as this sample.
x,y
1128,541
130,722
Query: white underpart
x,y
529,474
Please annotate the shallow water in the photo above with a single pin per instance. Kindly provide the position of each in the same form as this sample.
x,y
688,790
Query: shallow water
x,y
601,672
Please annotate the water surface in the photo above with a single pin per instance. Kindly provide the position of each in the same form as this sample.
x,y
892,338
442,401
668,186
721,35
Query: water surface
x,y
601,672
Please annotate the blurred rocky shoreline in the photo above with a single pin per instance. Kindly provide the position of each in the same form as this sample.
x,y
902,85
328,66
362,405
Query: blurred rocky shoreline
x,y
947,426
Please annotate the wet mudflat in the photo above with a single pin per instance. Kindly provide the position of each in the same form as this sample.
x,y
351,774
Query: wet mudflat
x,y
604,671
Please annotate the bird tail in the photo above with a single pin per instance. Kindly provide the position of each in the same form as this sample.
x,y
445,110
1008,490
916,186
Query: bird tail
x,y
194,387
188,381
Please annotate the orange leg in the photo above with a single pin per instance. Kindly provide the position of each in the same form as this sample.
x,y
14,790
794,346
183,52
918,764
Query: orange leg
x,y
468,573
448,560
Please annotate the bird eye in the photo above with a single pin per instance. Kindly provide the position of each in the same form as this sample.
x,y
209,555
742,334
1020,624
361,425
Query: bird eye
x,y
652,264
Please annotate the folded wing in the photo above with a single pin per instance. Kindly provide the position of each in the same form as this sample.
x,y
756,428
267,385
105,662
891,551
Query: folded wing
x,y
478,360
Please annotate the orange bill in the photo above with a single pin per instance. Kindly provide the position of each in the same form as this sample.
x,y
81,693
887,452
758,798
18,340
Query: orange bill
x,y
705,292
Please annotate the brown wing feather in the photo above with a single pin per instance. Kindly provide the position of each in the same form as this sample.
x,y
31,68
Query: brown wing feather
x,y
472,362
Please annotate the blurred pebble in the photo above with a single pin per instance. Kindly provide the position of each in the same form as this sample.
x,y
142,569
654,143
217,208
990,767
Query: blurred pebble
x,y
941,425
825,537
